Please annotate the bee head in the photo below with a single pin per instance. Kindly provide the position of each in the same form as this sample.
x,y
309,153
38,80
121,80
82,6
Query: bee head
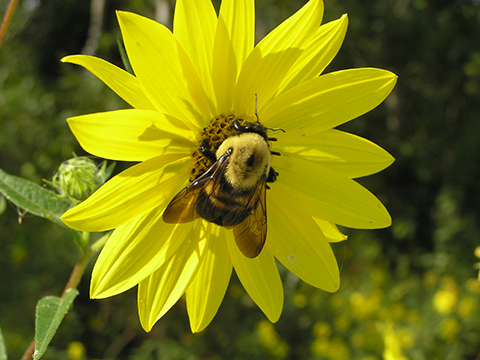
x,y
249,159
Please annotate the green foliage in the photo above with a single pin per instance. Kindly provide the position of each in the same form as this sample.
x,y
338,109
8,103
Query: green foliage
x,y
33,198
38,201
3,350
3,204
125,60
50,312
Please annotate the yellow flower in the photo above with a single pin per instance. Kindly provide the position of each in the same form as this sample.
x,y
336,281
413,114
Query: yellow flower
x,y
187,85
446,298
444,301
393,343
76,350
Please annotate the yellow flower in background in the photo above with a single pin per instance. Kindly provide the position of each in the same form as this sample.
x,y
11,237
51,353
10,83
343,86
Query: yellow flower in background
x,y
76,350
446,298
444,301
392,341
189,90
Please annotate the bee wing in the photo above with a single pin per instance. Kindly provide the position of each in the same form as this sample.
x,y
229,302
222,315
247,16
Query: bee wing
x,y
182,208
251,233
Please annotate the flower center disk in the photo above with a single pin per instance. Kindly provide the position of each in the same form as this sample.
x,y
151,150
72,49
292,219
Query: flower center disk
x,y
211,137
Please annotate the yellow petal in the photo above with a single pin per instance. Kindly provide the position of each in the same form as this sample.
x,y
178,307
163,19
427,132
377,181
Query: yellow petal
x,y
345,153
120,81
224,67
298,243
134,251
317,55
131,135
207,290
159,292
194,27
270,60
330,231
163,69
328,101
328,195
260,278
130,194
239,18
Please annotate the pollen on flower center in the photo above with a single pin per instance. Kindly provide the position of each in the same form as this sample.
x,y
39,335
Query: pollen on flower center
x,y
210,139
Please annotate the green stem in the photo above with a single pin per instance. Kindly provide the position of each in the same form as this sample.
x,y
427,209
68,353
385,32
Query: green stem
x,y
72,283
100,243
78,271
7,19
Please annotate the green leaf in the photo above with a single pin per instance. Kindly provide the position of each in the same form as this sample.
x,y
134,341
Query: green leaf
x,y
109,170
124,56
50,312
33,198
3,204
3,349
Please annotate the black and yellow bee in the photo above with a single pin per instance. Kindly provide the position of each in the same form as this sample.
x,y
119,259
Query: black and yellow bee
x,y
232,192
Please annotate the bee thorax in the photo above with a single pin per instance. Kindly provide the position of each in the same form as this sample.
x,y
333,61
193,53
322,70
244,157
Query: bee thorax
x,y
249,159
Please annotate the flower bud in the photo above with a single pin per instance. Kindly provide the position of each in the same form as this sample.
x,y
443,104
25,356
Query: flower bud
x,y
78,178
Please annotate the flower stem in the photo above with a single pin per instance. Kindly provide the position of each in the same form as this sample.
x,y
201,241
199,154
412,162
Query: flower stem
x,y
72,283
29,352
78,271
7,19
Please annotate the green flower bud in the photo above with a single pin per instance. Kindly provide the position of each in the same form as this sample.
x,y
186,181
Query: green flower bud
x,y
78,178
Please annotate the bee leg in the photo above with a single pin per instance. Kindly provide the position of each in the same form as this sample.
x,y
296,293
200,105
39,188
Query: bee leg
x,y
276,153
272,176
255,128
204,148
277,129
272,139
236,125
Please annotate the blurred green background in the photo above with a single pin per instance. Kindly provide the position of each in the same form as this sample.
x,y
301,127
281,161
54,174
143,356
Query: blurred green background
x,y
407,292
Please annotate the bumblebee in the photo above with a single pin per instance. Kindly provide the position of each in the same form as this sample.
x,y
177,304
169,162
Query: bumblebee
x,y
232,192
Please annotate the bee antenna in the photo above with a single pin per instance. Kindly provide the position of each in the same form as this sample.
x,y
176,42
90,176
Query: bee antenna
x,y
256,115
